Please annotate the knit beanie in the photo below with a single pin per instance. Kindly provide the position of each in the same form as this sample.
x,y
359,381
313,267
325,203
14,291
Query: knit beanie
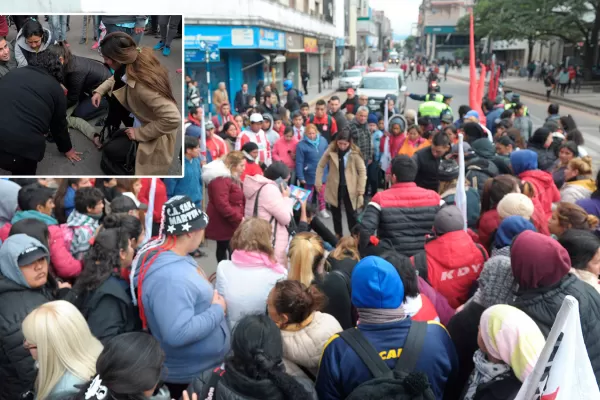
x,y
515,204
496,282
372,119
448,219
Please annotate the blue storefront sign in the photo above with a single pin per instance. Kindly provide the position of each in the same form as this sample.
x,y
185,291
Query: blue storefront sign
x,y
234,37
442,30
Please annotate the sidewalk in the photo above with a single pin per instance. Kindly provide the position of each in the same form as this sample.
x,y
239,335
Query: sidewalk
x,y
584,101
55,163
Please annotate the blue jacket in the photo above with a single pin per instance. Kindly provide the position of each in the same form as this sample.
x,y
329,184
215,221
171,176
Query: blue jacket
x,y
307,159
191,183
69,202
178,306
341,370
491,118
193,130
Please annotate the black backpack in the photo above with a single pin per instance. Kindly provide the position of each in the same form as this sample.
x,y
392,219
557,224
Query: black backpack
x,y
118,154
401,383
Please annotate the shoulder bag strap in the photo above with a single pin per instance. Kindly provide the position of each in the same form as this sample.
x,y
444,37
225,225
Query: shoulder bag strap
x,y
480,248
212,383
255,212
412,347
366,352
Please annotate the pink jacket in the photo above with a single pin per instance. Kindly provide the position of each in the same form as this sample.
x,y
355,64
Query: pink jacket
x,y
283,150
64,264
271,204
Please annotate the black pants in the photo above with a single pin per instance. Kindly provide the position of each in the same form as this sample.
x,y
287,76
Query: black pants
x,y
563,86
336,212
176,389
17,165
86,110
223,252
305,84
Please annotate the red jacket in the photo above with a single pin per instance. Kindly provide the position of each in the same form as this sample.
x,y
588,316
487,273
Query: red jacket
x,y
225,209
64,264
488,223
251,170
545,189
454,262
160,197
427,311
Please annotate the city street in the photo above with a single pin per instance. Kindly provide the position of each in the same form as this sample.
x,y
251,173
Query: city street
x,y
587,122
54,162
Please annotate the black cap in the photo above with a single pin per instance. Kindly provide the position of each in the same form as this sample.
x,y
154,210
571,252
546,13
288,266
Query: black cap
x,y
31,255
182,216
124,203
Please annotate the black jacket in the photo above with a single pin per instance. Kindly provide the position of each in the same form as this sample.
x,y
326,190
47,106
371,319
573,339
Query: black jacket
x,y
542,306
340,120
83,76
234,386
427,176
109,310
32,103
336,286
546,157
17,370
478,171
503,387
242,101
350,105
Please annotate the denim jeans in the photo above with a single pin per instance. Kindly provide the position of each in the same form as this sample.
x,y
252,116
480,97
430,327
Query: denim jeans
x,y
58,26
137,37
94,29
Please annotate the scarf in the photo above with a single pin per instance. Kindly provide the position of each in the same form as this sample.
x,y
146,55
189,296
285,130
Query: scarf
x,y
381,315
253,259
484,372
314,142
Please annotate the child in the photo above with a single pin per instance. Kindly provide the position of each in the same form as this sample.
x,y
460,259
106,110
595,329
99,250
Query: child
x,y
413,141
305,112
284,150
278,125
250,151
373,168
381,124
298,125
267,127
191,183
84,220
308,153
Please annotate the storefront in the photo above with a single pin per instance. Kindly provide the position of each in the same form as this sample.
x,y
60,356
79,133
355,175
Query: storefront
x,y
246,56
311,49
293,64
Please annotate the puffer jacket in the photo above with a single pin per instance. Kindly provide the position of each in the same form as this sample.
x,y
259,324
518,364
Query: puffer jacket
x,y
479,170
453,263
234,386
303,343
402,216
225,201
307,160
578,189
82,76
542,306
487,225
546,157
273,207
545,189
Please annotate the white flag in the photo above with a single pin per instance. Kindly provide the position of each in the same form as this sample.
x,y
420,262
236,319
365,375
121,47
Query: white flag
x,y
203,135
564,370
461,194
150,211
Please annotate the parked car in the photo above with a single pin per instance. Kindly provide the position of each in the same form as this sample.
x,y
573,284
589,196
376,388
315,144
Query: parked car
x,y
377,67
378,85
362,68
350,78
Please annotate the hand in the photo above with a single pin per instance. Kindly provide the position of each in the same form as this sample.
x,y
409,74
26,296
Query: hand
x,y
186,396
286,192
138,31
218,299
130,132
65,91
96,98
303,182
64,285
406,94
73,155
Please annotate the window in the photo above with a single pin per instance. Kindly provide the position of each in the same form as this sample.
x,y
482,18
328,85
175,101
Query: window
x,y
379,82
351,73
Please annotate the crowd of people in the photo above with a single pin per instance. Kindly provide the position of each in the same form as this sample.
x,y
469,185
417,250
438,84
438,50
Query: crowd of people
x,y
47,90
96,303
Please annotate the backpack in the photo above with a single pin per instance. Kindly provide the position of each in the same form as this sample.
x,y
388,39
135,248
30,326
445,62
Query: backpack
x,y
68,233
401,383
118,154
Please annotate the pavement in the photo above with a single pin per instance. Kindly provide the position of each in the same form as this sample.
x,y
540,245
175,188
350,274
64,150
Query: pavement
x,y
54,162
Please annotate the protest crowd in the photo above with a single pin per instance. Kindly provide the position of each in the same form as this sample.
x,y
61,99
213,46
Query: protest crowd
x,y
450,270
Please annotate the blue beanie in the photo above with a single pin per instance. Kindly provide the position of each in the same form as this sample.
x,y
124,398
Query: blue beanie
x,y
523,160
509,228
372,119
376,284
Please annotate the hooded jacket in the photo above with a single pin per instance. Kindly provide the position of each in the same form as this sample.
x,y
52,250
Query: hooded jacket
x,y
479,170
307,160
84,228
273,207
17,300
544,281
271,135
191,330
64,264
578,189
8,200
220,120
341,370
24,52
226,201
454,262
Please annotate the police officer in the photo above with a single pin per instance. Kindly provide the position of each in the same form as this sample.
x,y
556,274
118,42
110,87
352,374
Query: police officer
x,y
434,110
427,97
512,99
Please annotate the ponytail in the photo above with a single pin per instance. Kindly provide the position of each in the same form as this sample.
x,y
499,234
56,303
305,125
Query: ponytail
x,y
592,221
275,372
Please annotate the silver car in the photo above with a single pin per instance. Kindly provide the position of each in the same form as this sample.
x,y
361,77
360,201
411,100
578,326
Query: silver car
x,y
379,85
350,79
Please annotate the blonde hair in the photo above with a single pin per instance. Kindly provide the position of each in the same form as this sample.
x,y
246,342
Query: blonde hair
x,y
306,253
346,246
572,216
582,165
233,159
254,234
64,344
311,127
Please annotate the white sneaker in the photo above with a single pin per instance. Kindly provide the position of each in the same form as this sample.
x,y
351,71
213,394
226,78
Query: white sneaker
x,y
324,214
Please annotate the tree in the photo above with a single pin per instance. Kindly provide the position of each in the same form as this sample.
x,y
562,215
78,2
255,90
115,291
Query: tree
x,y
409,45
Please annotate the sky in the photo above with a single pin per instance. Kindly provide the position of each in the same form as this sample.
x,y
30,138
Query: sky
x,y
402,13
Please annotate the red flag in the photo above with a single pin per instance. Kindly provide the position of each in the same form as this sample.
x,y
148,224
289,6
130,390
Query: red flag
x,y
479,99
472,69
497,82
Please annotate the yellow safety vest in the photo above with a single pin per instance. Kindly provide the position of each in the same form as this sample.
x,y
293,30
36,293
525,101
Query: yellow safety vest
x,y
432,109
510,106
436,97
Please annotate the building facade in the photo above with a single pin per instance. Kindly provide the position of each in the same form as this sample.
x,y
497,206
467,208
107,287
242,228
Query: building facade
x,y
374,34
438,38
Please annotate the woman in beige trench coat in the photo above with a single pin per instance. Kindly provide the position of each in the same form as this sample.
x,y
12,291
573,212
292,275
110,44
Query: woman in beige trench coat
x,y
346,180
142,86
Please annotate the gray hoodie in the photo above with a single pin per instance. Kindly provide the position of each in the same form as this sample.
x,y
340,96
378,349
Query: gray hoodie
x,y
9,256
6,66
23,51
8,200
271,135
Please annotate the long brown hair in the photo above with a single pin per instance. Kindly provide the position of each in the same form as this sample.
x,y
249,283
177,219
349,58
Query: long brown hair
x,y
346,247
141,64
495,189
571,216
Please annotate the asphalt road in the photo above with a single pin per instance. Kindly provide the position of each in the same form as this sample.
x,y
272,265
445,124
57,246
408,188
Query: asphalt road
x,y
54,162
587,122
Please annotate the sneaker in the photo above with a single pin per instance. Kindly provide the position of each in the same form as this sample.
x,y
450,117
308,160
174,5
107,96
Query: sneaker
x,y
95,46
324,214
159,45
167,51
82,41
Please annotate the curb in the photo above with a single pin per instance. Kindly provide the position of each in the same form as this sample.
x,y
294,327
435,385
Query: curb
x,y
589,108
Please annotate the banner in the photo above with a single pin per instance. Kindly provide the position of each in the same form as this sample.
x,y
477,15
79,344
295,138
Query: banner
x,y
472,67
480,90
564,370
461,194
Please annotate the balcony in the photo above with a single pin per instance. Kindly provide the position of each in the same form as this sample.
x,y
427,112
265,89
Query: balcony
x,y
268,14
